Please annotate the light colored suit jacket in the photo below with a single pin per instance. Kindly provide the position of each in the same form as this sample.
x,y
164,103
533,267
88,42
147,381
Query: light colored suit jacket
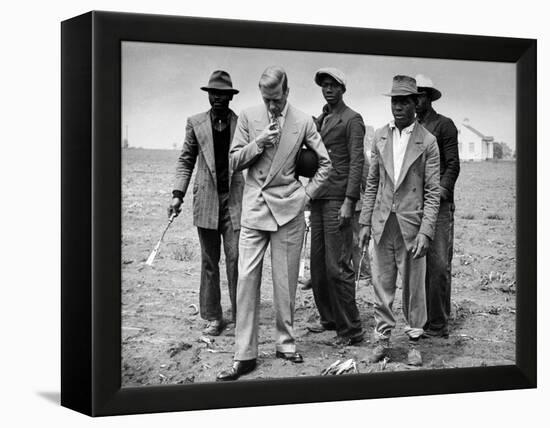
x,y
415,196
198,148
273,195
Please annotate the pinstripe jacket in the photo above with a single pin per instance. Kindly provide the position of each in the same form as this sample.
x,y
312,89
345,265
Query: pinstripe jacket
x,y
198,148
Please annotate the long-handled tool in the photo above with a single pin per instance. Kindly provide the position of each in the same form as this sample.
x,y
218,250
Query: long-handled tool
x,y
303,257
153,254
363,253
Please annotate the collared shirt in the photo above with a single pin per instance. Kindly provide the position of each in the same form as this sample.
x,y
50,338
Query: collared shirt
x,y
400,141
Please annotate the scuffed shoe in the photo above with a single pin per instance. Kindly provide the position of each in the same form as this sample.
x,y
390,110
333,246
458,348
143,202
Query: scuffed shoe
x,y
442,332
414,358
214,328
319,327
340,341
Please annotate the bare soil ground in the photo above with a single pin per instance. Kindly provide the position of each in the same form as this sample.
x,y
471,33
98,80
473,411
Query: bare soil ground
x,y
161,329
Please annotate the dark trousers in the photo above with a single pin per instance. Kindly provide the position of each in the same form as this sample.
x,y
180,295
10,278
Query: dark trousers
x,y
210,241
438,272
332,274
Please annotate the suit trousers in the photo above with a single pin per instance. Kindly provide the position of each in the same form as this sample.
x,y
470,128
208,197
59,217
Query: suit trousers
x,y
286,245
390,256
210,241
438,274
332,274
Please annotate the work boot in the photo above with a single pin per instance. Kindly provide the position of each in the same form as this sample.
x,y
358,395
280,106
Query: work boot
x,y
213,328
339,341
381,351
441,332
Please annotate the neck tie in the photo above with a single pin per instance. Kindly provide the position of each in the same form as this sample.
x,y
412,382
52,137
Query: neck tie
x,y
277,125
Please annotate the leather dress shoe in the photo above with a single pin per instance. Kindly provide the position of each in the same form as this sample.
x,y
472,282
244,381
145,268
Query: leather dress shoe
x,y
290,356
238,369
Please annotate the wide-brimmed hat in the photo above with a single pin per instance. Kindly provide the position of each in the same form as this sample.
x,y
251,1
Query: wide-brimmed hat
x,y
220,81
403,86
425,84
336,74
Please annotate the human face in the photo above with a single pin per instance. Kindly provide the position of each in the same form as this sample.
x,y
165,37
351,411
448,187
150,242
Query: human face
x,y
274,98
402,109
332,90
219,100
423,103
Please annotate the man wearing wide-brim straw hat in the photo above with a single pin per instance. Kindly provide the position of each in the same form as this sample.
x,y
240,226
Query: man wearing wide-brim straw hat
x,y
217,196
400,206
440,254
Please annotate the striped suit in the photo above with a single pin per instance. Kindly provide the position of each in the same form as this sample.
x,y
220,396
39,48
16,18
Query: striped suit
x,y
216,215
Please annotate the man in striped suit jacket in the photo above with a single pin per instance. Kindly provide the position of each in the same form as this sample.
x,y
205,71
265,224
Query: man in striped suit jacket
x,y
217,196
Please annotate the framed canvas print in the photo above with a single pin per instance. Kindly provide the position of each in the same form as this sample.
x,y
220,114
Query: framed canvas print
x,y
257,213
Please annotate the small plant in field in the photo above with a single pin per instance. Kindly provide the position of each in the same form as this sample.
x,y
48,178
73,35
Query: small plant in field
x,y
184,252
494,217
467,217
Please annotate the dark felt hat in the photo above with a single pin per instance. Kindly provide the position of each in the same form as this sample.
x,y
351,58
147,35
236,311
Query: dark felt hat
x,y
307,162
220,81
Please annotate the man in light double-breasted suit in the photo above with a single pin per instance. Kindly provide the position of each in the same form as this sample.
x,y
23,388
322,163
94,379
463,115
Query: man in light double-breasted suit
x,y
266,143
400,207
217,195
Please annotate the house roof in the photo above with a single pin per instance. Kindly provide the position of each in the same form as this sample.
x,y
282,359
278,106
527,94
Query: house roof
x,y
479,134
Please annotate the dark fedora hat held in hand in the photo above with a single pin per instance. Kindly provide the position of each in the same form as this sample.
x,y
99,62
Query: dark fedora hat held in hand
x,y
306,162
220,81
403,86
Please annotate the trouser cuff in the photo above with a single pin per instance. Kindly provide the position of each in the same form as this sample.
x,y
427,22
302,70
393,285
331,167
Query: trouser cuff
x,y
413,332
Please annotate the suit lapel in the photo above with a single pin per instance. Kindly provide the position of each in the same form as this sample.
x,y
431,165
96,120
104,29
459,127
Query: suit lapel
x,y
206,141
415,147
385,147
332,121
286,145
232,126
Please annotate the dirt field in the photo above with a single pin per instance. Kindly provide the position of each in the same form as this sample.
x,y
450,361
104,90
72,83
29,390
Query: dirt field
x,y
162,332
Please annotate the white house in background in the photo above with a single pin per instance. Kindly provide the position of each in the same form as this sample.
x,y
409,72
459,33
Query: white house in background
x,y
472,144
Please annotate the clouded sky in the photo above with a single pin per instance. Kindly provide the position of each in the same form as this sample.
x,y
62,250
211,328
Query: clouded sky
x,y
161,87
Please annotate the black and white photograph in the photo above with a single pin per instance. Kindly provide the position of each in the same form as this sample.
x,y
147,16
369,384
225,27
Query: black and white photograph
x,y
290,213
305,214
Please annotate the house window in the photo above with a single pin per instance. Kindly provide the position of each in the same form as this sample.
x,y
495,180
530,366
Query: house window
x,y
472,147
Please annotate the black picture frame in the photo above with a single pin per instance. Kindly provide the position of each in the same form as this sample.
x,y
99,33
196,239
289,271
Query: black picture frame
x,y
91,246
